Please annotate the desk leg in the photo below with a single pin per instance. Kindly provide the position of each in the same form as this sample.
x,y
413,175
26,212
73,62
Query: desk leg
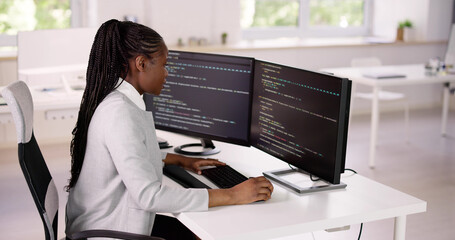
x,y
374,125
400,228
445,108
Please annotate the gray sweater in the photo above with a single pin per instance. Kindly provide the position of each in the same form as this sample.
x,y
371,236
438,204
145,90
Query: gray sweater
x,y
119,186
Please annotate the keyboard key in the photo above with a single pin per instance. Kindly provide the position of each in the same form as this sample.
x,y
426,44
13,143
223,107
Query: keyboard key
x,y
224,176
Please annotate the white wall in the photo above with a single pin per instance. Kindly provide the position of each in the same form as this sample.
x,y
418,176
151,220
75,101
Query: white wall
x,y
54,47
108,9
439,20
431,18
175,19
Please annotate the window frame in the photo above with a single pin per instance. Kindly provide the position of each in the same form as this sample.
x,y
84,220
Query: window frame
x,y
303,30
10,40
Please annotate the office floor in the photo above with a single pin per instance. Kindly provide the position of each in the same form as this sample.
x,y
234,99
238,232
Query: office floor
x,y
423,167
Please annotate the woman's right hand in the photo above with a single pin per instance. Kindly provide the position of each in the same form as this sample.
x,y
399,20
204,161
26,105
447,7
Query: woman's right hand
x,y
251,190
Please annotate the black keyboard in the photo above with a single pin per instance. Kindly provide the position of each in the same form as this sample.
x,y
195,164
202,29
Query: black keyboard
x,y
224,176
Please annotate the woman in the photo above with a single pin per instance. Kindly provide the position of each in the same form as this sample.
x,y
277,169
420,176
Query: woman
x,y
116,170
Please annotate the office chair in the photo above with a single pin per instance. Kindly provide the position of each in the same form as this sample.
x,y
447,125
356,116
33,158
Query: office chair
x,y
39,180
385,96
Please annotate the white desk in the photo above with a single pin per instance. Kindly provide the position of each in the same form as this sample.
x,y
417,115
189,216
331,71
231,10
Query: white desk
x,y
415,75
288,214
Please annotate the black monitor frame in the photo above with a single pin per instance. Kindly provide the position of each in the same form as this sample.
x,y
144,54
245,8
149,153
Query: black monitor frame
x,y
206,142
338,164
342,129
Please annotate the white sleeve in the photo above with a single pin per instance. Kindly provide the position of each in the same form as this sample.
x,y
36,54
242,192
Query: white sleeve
x,y
163,156
126,142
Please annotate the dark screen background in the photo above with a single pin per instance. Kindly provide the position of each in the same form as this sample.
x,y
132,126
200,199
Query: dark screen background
x,y
205,95
295,117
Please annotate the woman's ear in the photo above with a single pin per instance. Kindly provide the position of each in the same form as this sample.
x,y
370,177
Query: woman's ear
x,y
140,63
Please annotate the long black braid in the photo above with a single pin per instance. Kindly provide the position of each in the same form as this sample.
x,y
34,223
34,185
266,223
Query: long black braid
x,y
114,44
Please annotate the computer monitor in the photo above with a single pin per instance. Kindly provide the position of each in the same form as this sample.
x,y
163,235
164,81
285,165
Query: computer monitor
x,y
301,117
206,96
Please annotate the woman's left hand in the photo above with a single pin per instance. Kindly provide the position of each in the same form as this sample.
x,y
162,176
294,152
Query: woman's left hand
x,y
191,163
194,164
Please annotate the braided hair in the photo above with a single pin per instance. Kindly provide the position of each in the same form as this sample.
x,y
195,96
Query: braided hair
x,y
115,43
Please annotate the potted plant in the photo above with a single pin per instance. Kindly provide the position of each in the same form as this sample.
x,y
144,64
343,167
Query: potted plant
x,y
224,38
402,28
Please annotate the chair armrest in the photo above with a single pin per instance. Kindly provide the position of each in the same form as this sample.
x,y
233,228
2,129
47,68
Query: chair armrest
x,y
110,234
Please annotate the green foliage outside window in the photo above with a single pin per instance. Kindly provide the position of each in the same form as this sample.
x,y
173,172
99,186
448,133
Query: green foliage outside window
x,y
270,13
279,13
26,15
341,13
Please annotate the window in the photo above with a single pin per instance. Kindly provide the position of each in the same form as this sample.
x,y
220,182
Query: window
x,y
304,18
26,15
269,13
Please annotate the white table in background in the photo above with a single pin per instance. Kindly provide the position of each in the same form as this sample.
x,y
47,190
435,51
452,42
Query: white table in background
x,y
289,214
415,75
55,103
57,90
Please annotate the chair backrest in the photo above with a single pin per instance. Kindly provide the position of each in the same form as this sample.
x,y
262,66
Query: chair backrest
x,y
19,99
366,62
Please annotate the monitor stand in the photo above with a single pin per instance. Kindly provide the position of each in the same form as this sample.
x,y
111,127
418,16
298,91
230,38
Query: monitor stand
x,y
206,144
299,181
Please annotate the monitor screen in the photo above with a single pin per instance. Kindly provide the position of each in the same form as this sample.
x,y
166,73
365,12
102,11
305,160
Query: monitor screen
x,y
301,117
206,96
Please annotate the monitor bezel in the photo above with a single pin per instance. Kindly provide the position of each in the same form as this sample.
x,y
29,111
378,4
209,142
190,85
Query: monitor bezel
x,y
195,134
343,124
